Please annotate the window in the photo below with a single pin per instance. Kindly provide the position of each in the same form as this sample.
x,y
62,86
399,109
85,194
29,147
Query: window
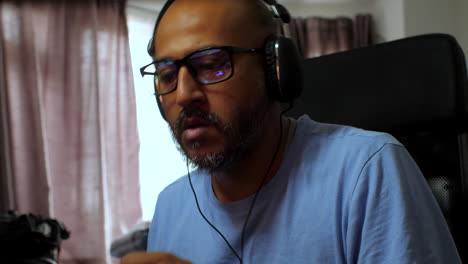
x,y
160,161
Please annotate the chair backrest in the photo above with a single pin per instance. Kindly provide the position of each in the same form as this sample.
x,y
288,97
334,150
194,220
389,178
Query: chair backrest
x,y
414,88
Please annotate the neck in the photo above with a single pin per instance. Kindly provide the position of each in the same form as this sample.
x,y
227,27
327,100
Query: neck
x,y
258,168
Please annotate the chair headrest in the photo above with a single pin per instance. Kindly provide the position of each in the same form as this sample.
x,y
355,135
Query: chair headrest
x,y
414,83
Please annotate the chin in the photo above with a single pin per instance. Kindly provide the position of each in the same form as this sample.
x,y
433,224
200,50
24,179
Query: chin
x,y
196,151
209,161
206,158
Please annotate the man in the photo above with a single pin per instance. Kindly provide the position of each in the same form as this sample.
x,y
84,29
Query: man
x,y
270,189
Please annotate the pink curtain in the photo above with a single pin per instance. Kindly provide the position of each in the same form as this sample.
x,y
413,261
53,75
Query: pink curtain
x,y
363,31
316,36
69,143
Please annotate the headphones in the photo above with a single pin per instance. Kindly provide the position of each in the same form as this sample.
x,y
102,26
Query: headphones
x,y
283,69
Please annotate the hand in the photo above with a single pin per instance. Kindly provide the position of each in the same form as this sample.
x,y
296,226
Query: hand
x,y
152,258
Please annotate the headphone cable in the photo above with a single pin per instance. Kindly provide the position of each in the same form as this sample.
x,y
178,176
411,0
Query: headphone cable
x,y
261,184
251,205
206,219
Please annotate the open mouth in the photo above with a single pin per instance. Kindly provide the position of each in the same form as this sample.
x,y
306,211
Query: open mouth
x,y
194,122
194,128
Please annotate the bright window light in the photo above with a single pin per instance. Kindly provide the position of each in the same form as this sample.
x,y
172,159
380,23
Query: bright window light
x,y
160,162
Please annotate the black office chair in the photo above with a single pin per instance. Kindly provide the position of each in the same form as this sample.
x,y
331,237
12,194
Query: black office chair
x,y
417,90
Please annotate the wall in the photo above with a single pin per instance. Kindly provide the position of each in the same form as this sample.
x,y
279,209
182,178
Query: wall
x,y
329,9
434,16
148,5
389,19
428,16
462,23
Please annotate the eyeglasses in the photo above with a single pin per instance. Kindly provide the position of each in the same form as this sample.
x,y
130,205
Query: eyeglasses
x,y
207,66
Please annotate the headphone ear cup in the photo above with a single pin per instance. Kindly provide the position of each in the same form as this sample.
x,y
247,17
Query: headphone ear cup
x,y
271,78
283,69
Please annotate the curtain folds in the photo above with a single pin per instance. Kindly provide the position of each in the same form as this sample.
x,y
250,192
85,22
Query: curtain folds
x,y
316,36
69,142
363,31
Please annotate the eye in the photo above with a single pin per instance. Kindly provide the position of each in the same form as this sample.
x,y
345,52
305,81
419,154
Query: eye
x,y
167,76
211,57
211,65
166,71
211,60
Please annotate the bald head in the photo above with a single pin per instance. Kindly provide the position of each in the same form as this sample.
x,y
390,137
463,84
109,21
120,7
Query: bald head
x,y
238,18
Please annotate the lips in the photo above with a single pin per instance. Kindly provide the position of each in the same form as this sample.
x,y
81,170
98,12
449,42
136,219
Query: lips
x,y
194,122
194,127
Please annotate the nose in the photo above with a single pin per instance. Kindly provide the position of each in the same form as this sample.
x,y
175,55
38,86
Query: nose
x,y
189,91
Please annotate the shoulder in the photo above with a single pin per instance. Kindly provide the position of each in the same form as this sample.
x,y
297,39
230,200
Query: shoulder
x,y
342,133
175,202
176,186
339,144
180,189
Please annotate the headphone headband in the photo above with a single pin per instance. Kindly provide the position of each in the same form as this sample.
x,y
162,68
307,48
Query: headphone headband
x,y
276,9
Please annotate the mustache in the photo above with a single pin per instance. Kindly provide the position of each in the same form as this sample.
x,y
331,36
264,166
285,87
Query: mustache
x,y
212,118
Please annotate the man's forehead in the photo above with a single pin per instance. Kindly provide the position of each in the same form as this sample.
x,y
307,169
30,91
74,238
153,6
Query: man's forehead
x,y
200,5
202,23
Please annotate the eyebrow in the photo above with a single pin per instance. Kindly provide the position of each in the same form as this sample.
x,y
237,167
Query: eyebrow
x,y
191,52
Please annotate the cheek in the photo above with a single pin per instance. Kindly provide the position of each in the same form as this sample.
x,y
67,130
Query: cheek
x,y
228,105
222,103
253,84
219,94
168,106
167,103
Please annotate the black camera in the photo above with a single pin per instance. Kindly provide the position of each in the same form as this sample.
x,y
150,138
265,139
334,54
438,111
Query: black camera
x,y
29,238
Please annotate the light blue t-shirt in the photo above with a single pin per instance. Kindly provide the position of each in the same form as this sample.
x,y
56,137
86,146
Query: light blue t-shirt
x,y
341,195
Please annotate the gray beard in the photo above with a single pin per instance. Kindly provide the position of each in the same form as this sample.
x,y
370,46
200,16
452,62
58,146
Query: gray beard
x,y
241,139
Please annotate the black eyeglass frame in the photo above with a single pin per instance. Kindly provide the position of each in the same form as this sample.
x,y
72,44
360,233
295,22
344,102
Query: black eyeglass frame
x,y
230,50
